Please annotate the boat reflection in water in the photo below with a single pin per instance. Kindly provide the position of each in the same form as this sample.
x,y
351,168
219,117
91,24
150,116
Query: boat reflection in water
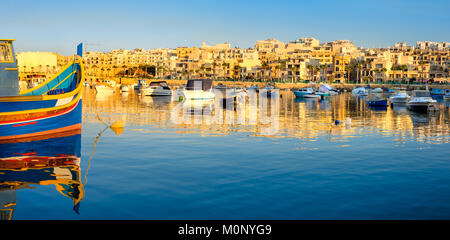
x,y
51,161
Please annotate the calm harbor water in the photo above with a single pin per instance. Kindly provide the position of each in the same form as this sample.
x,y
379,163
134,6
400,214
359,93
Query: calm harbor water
x,y
287,160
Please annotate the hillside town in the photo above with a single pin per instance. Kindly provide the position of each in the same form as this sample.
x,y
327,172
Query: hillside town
x,y
271,60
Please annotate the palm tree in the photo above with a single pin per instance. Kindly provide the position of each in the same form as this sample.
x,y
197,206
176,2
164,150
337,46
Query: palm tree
x,y
358,72
277,69
316,70
384,70
348,69
311,71
376,74
265,67
214,68
323,67
421,63
294,73
237,70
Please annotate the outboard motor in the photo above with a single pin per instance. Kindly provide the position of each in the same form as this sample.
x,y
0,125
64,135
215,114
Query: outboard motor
x,y
9,73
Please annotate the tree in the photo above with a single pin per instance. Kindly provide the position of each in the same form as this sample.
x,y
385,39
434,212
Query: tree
x,y
323,67
294,73
348,69
311,71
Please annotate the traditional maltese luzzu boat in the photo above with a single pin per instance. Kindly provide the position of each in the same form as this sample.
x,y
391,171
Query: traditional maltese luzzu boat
x,y
52,107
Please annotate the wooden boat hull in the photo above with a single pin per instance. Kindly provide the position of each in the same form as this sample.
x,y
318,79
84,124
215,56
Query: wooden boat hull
x,y
377,103
42,123
52,107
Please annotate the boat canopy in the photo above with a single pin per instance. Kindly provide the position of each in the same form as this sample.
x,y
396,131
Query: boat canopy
x,y
9,74
199,84
421,93
158,83
325,88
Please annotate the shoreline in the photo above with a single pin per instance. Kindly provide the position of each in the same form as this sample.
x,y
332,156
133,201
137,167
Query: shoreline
x,y
280,85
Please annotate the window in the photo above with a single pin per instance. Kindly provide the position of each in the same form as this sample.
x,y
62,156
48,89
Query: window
x,y
5,53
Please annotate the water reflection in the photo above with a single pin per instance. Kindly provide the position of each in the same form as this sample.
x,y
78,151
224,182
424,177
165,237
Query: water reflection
x,y
280,115
52,161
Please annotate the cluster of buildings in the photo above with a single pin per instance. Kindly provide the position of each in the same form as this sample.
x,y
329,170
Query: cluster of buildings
x,y
305,59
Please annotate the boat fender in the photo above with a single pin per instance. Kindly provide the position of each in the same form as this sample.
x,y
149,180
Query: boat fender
x,y
348,121
336,122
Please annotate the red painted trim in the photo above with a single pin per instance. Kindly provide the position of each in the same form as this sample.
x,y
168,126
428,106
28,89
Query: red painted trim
x,y
26,137
51,115
24,124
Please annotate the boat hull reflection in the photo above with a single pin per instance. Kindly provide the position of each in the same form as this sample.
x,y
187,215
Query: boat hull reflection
x,y
52,161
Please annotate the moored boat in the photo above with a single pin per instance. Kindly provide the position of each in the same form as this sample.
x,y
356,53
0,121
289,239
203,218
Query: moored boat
x,y
141,84
399,98
199,89
447,94
377,103
360,91
51,107
157,88
303,91
105,86
377,90
325,88
421,101
437,92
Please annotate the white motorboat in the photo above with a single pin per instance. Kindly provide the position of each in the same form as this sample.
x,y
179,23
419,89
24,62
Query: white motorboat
x,y
158,88
325,88
105,86
377,90
360,91
421,101
199,89
303,91
399,97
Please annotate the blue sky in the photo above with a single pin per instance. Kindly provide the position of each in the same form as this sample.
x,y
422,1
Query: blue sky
x,y
58,26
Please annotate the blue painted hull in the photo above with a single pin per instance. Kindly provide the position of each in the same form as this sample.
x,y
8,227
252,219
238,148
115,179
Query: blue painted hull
x,y
377,103
300,93
44,125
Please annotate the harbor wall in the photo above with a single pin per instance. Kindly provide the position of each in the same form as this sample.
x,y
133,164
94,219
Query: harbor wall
x,y
340,86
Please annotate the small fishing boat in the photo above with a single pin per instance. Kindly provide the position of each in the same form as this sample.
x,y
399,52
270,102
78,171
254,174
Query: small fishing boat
x,y
360,91
447,94
421,101
399,97
105,86
199,89
377,103
157,88
437,92
140,85
303,91
51,107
